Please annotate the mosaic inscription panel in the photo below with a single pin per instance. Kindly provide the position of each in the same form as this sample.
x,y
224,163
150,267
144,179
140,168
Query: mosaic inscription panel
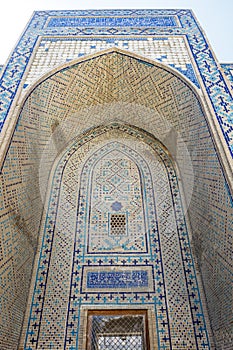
x,y
155,21
124,279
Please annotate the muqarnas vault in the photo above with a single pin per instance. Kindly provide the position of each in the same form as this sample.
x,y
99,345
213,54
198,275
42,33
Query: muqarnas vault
x,y
116,184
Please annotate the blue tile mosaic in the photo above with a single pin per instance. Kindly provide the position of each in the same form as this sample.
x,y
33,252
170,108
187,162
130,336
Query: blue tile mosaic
x,y
104,279
116,206
212,78
159,21
189,73
56,51
228,70
119,279
211,207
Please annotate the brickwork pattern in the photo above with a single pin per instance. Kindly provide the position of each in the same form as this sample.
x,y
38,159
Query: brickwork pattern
x,y
111,87
180,324
228,70
186,25
52,52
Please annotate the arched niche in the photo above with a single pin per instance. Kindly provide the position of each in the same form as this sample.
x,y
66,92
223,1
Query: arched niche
x,y
114,236
126,88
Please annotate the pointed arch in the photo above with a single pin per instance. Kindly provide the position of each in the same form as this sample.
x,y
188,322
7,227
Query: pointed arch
x,y
85,268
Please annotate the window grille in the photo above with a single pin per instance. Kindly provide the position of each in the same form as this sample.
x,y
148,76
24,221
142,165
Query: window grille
x,y
118,224
117,330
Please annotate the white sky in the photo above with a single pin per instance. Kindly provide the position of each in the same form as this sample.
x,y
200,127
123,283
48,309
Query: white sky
x,y
215,17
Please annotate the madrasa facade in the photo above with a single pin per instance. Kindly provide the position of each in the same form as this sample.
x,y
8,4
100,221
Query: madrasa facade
x,y
116,184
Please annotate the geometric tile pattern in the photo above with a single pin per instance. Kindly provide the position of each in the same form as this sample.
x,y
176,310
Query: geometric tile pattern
x,y
228,70
165,107
115,188
52,52
177,306
156,101
219,95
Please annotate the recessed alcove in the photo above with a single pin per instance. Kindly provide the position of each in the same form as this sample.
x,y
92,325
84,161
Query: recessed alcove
x,y
128,90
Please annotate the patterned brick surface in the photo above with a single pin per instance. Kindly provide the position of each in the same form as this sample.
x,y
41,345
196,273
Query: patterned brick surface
x,y
228,70
76,290
187,26
133,91
169,50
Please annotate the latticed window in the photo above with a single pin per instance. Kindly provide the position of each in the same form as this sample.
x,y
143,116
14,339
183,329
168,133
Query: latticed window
x,y
117,330
118,224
